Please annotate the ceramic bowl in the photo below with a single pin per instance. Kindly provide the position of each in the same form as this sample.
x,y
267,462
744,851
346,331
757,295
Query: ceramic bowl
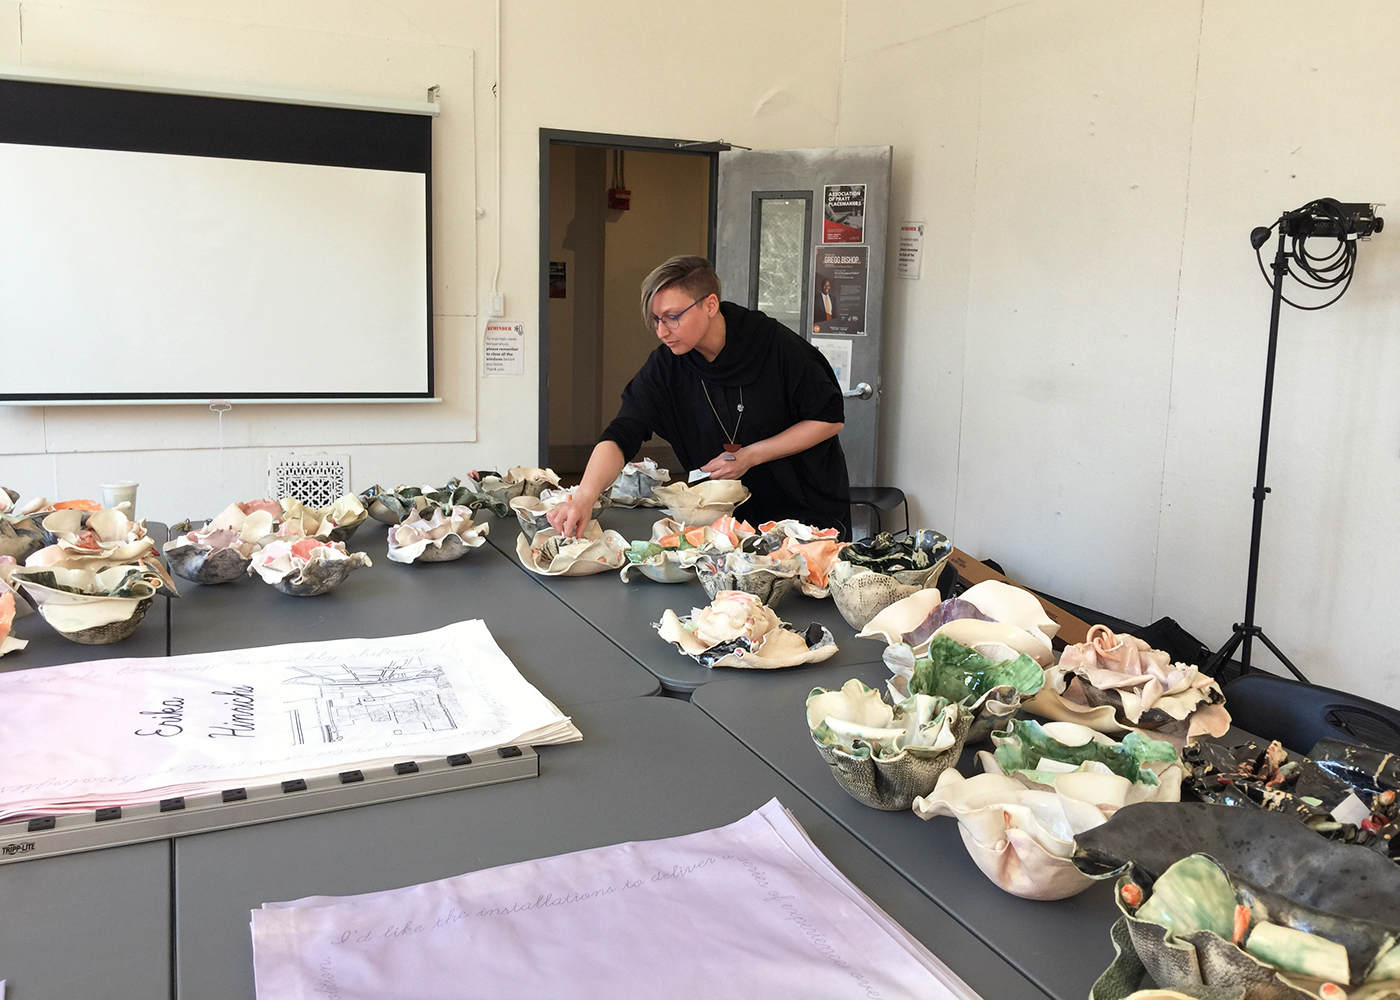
x,y
739,630
701,504
1200,929
769,580
1022,839
635,483
884,756
207,566
320,576
861,593
549,554
95,617
20,537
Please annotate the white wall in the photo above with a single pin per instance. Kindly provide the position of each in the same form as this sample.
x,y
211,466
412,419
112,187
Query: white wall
x,y
1073,387
628,67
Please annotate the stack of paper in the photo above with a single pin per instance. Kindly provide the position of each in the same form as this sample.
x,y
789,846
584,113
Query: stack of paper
x,y
750,909
118,732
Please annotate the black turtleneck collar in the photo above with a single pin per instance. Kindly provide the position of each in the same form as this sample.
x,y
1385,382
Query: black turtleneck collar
x,y
748,337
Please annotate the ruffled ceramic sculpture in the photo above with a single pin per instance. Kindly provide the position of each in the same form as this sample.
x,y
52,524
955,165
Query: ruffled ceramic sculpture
x,y
816,547
739,630
93,539
305,567
20,534
636,483
392,506
335,523
499,490
8,643
671,554
701,504
766,577
990,684
1116,683
870,575
438,537
222,550
1203,931
548,554
1094,767
884,756
1021,838
93,606
916,619
532,512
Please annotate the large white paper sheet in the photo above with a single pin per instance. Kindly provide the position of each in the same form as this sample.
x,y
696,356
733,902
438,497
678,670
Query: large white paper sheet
x,y
749,909
112,732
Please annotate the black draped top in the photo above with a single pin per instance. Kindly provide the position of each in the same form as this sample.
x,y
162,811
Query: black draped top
x,y
780,379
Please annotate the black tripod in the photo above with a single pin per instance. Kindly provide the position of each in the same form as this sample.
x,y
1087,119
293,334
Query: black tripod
x,y
1322,218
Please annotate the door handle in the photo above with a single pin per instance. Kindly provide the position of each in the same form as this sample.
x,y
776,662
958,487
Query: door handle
x,y
862,391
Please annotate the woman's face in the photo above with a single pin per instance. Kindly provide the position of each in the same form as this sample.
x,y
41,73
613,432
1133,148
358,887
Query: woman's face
x,y
694,318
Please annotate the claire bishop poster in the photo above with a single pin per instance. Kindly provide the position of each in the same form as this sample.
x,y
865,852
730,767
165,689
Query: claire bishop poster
x,y
840,295
843,213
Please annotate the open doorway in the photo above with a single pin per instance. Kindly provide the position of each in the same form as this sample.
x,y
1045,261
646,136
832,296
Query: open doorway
x,y
594,253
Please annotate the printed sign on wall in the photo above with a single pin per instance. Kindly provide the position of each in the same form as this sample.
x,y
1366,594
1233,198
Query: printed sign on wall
x,y
910,254
843,213
838,300
504,353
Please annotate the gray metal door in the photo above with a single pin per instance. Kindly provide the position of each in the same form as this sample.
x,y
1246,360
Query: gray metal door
x,y
801,235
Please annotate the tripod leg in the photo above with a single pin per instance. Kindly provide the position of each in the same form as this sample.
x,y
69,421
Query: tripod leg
x,y
1279,653
1223,654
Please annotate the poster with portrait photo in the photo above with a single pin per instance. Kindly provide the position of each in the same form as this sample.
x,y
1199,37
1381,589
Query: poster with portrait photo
x,y
840,290
843,213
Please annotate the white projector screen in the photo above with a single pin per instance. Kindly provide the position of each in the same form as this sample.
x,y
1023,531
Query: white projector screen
x,y
150,267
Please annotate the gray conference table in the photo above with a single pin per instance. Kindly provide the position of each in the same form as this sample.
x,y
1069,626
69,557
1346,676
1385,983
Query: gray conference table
x,y
647,768
1060,946
112,907
626,612
47,647
92,926
557,651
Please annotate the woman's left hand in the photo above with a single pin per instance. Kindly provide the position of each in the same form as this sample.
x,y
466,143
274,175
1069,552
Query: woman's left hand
x,y
725,468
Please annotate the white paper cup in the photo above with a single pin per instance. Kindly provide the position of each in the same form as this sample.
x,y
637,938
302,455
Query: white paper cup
x,y
123,490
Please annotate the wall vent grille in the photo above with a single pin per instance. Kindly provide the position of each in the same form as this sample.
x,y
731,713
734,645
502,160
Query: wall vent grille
x,y
317,479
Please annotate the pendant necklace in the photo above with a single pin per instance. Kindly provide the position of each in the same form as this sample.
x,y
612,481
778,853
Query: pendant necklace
x,y
730,449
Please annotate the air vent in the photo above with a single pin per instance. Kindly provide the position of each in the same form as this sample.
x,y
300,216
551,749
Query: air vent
x,y
317,479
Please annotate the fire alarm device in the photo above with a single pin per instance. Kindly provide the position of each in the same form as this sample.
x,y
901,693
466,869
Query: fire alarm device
x,y
618,196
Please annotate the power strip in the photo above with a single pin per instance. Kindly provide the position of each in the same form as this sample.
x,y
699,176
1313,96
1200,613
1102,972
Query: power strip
x,y
50,836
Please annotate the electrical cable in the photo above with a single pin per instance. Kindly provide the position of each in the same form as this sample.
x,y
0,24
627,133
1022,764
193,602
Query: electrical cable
x,y
1320,272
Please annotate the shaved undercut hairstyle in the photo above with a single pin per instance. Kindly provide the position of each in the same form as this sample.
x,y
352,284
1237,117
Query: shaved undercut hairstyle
x,y
690,274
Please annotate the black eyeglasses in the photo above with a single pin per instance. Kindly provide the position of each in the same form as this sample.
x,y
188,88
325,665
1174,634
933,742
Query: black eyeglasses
x,y
673,320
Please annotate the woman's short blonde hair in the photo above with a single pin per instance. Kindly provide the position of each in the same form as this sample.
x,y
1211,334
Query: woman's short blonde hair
x,y
688,273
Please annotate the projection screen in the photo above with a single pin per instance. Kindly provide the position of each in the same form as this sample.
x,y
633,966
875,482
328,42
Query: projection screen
x,y
168,247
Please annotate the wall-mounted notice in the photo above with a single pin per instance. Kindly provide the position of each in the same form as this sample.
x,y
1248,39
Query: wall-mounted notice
x,y
838,354
558,279
504,352
838,300
910,253
843,213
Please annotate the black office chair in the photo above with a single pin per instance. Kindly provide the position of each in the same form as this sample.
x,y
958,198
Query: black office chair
x,y
1298,715
881,500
